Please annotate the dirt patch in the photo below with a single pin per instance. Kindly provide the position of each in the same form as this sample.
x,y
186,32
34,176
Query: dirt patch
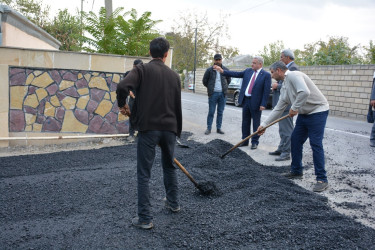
x,y
87,198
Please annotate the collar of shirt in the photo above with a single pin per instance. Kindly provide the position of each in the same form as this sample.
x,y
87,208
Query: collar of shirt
x,y
289,64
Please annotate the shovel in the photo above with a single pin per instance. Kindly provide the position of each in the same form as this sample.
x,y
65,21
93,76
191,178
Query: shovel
x,y
256,132
206,188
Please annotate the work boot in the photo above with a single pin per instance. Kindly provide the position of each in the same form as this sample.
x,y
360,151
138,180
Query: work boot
x,y
219,131
291,175
208,131
254,146
142,225
320,186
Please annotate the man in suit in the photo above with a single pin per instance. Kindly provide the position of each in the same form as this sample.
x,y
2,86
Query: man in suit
x,y
255,89
372,103
285,126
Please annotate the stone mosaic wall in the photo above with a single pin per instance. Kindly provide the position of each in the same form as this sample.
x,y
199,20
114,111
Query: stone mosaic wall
x,y
53,100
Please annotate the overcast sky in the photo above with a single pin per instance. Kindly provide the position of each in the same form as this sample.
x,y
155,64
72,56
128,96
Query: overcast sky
x,y
255,24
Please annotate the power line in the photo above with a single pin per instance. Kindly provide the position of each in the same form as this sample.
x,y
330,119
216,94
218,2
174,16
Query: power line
x,y
253,7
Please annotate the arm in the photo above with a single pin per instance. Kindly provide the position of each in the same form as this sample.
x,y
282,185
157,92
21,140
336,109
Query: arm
x,y
372,98
124,89
266,91
206,77
302,91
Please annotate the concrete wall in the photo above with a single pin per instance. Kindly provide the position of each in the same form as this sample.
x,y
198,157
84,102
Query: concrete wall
x,y
347,87
17,31
21,63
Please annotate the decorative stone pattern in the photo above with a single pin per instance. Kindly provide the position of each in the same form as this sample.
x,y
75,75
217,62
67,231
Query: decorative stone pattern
x,y
53,100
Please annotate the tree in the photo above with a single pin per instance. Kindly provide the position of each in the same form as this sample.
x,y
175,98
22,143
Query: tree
x,y
209,36
370,53
336,51
32,10
271,52
67,29
103,33
136,33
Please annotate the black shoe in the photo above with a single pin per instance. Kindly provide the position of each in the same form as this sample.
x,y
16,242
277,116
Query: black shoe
x,y
207,132
244,144
291,175
275,153
142,225
283,157
254,146
219,131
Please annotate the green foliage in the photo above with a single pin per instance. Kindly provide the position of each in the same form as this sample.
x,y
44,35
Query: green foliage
x,y
32,10
115,35
271,53
102,31
136,33
370,53
67,29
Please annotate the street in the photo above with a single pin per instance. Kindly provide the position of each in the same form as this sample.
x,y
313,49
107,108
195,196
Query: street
x,y
349,158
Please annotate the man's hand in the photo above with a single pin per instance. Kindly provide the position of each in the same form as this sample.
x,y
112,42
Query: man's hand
x,y
292,112
131,94
125,110
218,68
274,85
260,131
261,108
372,103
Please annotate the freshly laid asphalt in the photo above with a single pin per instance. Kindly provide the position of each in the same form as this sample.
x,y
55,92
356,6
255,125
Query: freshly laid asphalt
x,y
86,199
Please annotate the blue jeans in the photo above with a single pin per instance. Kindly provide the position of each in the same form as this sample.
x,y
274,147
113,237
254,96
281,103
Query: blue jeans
x,y
219,99
147,142
312,127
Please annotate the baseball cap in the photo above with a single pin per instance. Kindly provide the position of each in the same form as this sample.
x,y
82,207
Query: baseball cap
x,y
217,57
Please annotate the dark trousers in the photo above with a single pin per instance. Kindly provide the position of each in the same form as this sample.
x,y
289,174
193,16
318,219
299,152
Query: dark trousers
x,y
147,142
312,127
372,135
250,113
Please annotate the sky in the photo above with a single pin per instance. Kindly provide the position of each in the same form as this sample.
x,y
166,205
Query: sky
x,y
255,24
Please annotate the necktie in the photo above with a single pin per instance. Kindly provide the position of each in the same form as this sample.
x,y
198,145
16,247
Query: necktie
x,y
252,82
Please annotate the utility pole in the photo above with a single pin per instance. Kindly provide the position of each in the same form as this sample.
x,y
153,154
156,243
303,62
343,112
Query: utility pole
x,y
195,56
108,8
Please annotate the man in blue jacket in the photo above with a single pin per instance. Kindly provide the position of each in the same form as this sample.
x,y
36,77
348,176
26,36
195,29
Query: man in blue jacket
x,y
255,89
372,103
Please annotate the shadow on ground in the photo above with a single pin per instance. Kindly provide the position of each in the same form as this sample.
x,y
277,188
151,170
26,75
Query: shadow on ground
x,y
86,200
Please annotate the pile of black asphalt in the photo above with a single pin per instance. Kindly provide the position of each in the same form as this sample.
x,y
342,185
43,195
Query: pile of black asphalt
x,y
86,199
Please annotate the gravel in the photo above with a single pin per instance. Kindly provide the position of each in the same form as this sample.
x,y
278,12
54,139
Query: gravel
x,y
85,199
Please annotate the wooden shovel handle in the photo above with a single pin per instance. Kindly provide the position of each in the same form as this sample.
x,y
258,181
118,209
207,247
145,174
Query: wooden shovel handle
x,y
185,171
256,132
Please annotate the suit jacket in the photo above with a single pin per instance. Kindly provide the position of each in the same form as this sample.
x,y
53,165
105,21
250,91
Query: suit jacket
x,y
261,89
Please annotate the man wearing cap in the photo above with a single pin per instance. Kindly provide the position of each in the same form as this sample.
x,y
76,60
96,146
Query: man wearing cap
x,y
217,86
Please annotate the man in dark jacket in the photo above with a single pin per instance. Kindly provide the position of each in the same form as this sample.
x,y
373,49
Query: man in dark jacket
x,y
217,86
372,103
157,115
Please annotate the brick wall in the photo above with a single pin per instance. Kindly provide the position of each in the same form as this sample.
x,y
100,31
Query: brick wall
x,y
347,87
